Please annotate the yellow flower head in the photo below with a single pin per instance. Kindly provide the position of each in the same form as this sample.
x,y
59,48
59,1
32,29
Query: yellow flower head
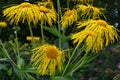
x,y
22,12
46,0
106,32
47,58
83,1
36,39
89,11
88,37
69,17
47,13
3,24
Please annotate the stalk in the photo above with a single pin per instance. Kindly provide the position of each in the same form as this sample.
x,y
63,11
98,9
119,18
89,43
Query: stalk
x,y
59,15
17,45
70,59
31,32
68,3
42,32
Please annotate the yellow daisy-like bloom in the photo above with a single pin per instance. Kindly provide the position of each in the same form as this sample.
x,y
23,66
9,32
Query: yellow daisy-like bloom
x,y
47,13
106,32
22,12
83,1
46,0
89,38
3,24
88,11
69,17
47,58
36,39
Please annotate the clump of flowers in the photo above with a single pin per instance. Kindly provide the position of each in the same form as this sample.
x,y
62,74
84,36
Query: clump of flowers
x,y
107,32
103,34
91,35
47,58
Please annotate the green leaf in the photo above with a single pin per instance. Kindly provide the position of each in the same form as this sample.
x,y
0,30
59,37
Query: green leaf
x,y
20,62
9,72
30,70
59,78
19,74
66,38
2,66
88,59
29,77
4,59
53,31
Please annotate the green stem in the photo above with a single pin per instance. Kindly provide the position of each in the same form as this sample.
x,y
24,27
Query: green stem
x,y
81,50
31,32
42,32
59,14
78,64
68,3
70,59
17,45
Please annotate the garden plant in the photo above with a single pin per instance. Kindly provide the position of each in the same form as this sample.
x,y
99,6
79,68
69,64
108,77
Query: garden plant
x,y
51,41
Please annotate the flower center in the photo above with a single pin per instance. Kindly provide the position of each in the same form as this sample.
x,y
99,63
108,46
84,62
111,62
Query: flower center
x,y
101,23
52,52
68,13
25,4
43,9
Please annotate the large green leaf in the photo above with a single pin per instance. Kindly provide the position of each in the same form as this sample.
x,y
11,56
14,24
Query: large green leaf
x,y
88,59
9,72
29,77
60,78
30,70
53,31
3,66
20,62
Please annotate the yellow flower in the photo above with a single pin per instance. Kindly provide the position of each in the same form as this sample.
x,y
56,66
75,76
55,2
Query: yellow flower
x,y
83,1
106,32
46,0
3,24
69,17
47,13
22,12
87,39
89,11
47,58
36,39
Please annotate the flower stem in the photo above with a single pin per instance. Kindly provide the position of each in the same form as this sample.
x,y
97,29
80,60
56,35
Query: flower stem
x,y
59,15
81,50
78,64
31,32
42,32
68,3
70,59
17,45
